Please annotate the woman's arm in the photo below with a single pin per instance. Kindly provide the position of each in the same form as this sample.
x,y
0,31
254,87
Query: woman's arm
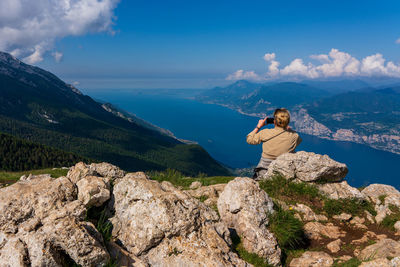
x,y
254,138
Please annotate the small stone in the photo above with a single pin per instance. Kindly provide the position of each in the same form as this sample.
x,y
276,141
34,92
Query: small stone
x,y
334,246
340,190
357,220
344,258
308,213
195,185
342,217
397,226
316,230
312,259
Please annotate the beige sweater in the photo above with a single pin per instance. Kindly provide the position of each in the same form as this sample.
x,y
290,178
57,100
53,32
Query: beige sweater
x,y
276,141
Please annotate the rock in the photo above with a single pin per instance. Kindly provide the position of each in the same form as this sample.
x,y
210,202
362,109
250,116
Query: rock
x,y
104,169
334,246
244,207
344,258
397,226
390,194
340,190
382,249
41,221
122,257
93,190
381,262
358,222
211,192
365,238
164,226
308,213
312,259
307,167
195,185
369,216
382,211
344,217
315,230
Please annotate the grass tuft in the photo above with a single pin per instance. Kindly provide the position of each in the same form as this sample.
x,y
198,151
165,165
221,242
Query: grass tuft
x,y
353,262
287,229
178,179
355,207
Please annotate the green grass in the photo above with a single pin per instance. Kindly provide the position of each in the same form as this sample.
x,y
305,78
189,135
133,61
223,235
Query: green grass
x,y
14,176
252,258
281,188
354,262
354,206
382,199
287,229
178,179
390,220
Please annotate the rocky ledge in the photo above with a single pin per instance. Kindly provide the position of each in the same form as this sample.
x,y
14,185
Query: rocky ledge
x,y
98,215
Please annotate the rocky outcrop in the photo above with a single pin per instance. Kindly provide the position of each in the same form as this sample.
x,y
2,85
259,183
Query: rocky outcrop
x,y
307,167
106,170
244,207
164,226
383,196
340,190
42,223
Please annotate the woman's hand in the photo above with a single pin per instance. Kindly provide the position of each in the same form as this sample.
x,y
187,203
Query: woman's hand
x,y
262,123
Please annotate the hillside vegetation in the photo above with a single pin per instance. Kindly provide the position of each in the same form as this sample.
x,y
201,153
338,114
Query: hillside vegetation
x,y
21,155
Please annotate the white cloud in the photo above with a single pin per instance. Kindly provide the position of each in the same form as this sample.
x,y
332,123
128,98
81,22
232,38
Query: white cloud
x,y
29,28
273,69
57,56
244,75
398,41
334,64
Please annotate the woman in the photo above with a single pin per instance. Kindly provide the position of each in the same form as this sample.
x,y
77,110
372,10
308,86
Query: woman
x,y
281,139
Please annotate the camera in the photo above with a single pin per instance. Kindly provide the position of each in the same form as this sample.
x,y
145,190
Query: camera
x,y
270,120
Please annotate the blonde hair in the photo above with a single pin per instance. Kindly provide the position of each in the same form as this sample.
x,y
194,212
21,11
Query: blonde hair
x,y
282,117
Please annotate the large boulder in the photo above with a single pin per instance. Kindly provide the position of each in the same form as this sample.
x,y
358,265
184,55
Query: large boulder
x,y
244,207
164,226
340,190
42,223
107,170
307,167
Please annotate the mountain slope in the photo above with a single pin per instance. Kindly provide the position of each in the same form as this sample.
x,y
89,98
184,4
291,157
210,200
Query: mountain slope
x,y
36,105
19,155
260,99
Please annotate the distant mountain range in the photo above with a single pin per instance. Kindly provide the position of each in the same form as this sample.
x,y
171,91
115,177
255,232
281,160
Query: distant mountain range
x,y
349,110
37,106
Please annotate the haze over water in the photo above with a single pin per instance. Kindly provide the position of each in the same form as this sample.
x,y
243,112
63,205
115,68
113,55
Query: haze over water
x,y
222,132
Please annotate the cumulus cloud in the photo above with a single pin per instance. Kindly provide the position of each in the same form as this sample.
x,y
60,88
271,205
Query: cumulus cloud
x,y
334,64
244,75
29,29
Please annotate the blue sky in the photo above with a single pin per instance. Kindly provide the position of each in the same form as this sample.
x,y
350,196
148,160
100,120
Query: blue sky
x,y
197,44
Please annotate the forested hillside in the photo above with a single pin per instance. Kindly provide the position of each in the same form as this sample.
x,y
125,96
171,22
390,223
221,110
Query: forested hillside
x,y
20,155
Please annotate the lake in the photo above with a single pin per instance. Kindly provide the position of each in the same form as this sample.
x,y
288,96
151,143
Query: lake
x,y
222,132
